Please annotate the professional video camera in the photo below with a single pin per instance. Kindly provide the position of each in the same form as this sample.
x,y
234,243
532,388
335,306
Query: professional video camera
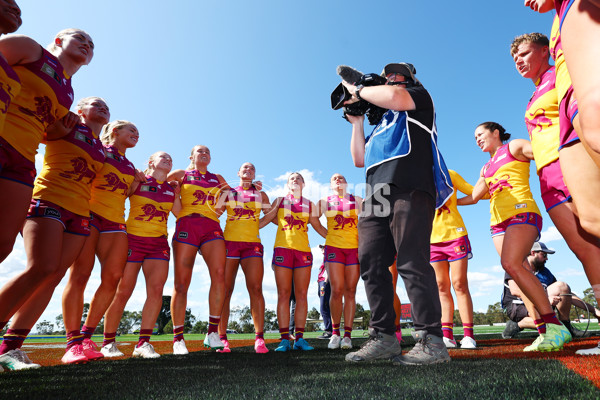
x,y
340,94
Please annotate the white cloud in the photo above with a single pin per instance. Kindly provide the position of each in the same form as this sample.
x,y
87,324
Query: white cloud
x,y
550,235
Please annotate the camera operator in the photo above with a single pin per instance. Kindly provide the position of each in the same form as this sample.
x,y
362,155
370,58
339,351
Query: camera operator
x,y
407,179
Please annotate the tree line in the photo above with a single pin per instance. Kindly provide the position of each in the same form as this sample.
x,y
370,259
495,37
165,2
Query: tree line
x,y
241,319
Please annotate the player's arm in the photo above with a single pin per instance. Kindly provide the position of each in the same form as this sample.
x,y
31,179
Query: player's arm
x,y
316,224
61,127
389,97
480,190
20,49
270,214
521,149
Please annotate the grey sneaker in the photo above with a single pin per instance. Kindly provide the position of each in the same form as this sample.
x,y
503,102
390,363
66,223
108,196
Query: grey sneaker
x,y
511,330
379,347
429,349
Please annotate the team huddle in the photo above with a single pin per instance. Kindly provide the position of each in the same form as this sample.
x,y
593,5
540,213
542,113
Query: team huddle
x,y
73,210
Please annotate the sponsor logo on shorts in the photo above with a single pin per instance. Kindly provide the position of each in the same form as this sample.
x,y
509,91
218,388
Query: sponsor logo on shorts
x,y
322,291
85,223
218,234
129,253
460,249
52,212
123,227
182,235
279,259
521,205
166,253
331,256
306,258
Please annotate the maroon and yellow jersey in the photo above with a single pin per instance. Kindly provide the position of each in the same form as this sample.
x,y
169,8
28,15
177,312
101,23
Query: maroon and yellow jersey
x,y
448,223
46,96
563,79
70,165
10,86
541,118
292,223
508,182
243,213
200,194
110,188
342,217
149,208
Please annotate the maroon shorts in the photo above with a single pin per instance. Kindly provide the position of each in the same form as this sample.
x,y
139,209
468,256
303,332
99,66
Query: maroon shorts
x,y
15,167
519,219
196,229
451,250
567,111
342,256
288,258
72,223
148,248
105,225
552,186
241,250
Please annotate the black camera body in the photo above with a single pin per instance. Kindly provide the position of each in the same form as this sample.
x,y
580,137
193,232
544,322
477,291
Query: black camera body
x,y
340,94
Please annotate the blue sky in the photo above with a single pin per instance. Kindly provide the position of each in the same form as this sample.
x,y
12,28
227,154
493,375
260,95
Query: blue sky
x,y
251,80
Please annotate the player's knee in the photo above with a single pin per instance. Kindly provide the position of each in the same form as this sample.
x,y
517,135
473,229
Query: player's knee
x,y
461,287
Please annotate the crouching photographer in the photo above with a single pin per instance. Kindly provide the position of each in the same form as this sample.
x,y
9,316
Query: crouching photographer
x,y
400,158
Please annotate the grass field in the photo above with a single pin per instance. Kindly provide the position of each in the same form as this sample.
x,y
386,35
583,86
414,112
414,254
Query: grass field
x,y
498,369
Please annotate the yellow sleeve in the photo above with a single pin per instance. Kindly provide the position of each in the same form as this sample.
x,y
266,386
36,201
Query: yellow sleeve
x,y
460,184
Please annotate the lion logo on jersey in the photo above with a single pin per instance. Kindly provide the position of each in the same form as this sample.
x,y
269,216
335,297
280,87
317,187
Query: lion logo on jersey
x,y
500,183
151,212
203,198
5,97
43,111
243,212
342,221
292,223
114,183
443,209
80,170
539,120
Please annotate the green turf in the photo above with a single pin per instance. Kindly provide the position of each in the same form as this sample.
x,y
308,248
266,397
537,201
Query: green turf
x,y
493,331
319,374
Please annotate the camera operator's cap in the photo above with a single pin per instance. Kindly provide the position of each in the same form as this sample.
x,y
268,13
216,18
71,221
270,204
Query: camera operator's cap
x,y
406,69
539,246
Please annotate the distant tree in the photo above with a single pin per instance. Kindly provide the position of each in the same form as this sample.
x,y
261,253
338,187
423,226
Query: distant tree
x,y
495,314
244,316
313,314
168,328
60,324
270,321
588,297
129,319
456,317
199,327
45,328
190,320
165,315
365,314
86,308
234,325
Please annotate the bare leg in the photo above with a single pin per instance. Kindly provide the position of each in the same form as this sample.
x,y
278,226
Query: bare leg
x,y
254,271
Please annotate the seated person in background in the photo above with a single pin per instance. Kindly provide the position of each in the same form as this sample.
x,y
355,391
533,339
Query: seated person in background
x,y
559,294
